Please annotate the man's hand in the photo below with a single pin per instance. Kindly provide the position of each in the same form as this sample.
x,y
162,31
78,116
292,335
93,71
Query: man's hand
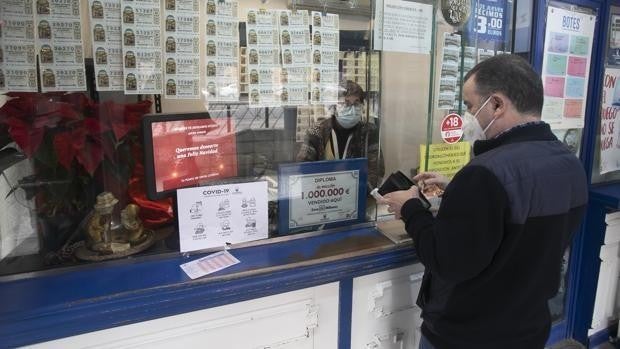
x,y
429,178
396,199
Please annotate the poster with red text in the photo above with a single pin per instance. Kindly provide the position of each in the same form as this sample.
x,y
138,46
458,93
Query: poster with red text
x,y
610,108
192,152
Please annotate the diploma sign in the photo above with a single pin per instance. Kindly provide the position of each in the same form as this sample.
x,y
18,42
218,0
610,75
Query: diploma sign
x,y
321,198
321,194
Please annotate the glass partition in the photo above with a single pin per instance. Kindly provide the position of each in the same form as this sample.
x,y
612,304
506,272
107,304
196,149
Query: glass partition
x,y
567,60
605,167
279,82
422,91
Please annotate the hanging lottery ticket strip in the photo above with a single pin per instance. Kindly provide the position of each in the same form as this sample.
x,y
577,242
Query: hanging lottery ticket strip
x,y
17,56
105,28
325,55
59,45
263,58
182,25
142,49
296,50
222,51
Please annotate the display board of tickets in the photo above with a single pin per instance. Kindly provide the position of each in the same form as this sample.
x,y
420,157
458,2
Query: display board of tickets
x,y
182,49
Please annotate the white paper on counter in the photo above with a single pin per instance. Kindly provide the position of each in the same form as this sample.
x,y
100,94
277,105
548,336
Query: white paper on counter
x,y
209,264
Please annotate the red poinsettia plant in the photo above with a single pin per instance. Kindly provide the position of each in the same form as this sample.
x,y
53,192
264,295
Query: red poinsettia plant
x,y
76,145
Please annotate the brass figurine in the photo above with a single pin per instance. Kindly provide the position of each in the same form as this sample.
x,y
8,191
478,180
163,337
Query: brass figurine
x,y
132,224
105,240
99,225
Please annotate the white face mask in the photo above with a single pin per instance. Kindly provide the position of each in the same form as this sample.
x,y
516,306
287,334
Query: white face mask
x,y
349,115
472,131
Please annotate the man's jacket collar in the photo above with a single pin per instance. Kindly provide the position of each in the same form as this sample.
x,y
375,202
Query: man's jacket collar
x,y
533,131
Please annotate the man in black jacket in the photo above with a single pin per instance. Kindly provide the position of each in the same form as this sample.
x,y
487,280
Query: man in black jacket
x,y
493,253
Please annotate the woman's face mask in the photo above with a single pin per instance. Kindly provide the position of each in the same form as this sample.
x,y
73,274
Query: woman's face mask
x,y
348,115
472,131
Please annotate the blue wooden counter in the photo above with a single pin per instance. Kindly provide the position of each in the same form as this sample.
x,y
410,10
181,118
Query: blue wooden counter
x,y
44,306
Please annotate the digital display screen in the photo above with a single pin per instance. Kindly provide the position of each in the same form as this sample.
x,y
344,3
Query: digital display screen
x,y
187,150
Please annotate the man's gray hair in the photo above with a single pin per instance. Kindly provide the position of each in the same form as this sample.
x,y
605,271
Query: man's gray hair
x,y
514,77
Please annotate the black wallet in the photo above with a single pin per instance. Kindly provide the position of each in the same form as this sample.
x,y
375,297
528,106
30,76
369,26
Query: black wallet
x,y
396,181
399,181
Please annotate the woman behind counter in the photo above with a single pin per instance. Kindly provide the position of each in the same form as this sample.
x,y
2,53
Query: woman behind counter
x,y
344,135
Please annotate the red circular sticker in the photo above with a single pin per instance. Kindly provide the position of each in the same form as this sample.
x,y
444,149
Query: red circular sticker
x,y
452,128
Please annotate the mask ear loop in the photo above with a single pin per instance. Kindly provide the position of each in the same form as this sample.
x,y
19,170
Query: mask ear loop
x,y
481,107
478,112
492,121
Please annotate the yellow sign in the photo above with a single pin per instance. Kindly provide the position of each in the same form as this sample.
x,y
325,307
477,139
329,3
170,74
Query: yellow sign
x,y
446,159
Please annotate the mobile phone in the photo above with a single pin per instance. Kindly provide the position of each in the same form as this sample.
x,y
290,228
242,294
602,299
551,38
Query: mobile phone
x,y
425,203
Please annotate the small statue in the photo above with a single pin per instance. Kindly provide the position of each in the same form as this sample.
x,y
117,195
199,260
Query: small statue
x,y
99,225
95,229
132,224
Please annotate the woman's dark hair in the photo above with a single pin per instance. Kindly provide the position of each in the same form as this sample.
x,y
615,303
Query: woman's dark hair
x,y
514,77
351,88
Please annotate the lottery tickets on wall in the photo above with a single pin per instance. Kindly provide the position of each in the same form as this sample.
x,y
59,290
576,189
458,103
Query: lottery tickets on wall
x,y
222,50
105,28
296,53
17,49
451,58
182,23
59,45
263,58
325,55
142,48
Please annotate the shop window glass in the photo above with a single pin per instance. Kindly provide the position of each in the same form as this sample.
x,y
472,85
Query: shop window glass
x,y
62,150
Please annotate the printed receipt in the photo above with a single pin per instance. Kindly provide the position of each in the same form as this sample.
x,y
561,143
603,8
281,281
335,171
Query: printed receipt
x,y
209,264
